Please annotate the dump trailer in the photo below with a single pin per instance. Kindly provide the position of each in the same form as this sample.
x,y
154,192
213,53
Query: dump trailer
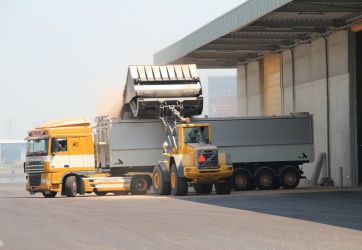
x,y
267,152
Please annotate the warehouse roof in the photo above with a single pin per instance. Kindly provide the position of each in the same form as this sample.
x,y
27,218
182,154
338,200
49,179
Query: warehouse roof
x,y
257,28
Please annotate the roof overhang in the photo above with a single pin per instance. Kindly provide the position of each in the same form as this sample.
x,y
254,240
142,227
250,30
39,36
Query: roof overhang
x,y
258,28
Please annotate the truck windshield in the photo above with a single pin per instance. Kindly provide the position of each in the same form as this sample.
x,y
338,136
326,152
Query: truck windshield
x,y
37,147
196,135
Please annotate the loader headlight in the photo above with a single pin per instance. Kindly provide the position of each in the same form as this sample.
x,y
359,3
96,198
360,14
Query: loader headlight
x,y
45,180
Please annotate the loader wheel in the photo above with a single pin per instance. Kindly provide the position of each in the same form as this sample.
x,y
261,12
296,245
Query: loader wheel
x,y
139,184
160,186
99,193
203,189
50,194
179,185
241,180
71,186
265,179
224,187
289,178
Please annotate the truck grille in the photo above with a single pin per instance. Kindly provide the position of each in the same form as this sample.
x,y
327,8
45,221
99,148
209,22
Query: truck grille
x,y
34,179
212,160
34,167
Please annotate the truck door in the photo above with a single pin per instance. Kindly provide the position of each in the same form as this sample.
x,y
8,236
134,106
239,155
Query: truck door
x,y
60,153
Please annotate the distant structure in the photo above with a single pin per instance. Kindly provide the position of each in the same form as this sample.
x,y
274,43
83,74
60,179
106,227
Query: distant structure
x,y
222,96
12,150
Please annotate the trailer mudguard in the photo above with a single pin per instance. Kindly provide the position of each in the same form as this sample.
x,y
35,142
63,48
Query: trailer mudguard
x,y
165,170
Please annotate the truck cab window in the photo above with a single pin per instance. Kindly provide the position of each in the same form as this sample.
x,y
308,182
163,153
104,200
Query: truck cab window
x,y
59,145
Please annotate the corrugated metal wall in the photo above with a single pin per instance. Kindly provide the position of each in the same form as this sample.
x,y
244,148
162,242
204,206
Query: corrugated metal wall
x,y
272,92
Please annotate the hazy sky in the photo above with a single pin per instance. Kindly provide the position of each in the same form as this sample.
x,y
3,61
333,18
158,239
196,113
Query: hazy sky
x,y
69,58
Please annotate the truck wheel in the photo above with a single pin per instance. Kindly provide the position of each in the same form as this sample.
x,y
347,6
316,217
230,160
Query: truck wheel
x,y
179,185
139,185
160,186
224,187
71,186
241,180
51,194
265,179
289,178
203,189
99,193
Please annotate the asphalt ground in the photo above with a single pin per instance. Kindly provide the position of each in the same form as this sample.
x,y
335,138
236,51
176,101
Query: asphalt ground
x,y
303,218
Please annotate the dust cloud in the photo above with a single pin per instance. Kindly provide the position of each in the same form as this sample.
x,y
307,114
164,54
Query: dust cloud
x,y
112,101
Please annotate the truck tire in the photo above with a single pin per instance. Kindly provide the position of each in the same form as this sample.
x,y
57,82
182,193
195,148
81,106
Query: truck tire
x,y
289,178
160,186
49,195
71,186
120,193
203,189
179,186
224,187
139,184
265,179
241,180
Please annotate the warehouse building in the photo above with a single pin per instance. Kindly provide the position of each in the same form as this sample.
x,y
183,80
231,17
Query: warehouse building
x,y
292,56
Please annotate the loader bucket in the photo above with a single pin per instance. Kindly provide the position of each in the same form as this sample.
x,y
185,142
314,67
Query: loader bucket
x,y
150,87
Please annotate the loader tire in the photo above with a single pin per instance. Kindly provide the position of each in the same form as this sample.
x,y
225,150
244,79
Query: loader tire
x,y
118,193
71,186
289,178
265,179
203,189
179,186
139,184
224,187
160,186
241,180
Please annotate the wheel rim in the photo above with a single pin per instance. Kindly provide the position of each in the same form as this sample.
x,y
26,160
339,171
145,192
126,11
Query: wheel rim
x,y
156,180
141,185
265,180
173,179
290,179
240,181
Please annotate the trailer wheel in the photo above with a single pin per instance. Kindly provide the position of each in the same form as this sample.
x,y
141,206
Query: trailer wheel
x,y
224,187
160,186
265,179
289,178
139,184
51,194
203,189
99,193
179,185
241,180
71,186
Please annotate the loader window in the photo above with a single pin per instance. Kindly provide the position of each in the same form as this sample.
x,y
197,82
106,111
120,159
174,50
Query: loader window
x,y
196,135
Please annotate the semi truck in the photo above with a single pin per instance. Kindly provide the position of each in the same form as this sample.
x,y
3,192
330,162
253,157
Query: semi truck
x,y
123,156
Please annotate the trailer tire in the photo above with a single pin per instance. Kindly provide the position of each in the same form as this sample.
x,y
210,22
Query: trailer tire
x,y
203,189
289,178
224,187
265,179
241,180
139,185
50,195
179,186
160,186
99,193
71,186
